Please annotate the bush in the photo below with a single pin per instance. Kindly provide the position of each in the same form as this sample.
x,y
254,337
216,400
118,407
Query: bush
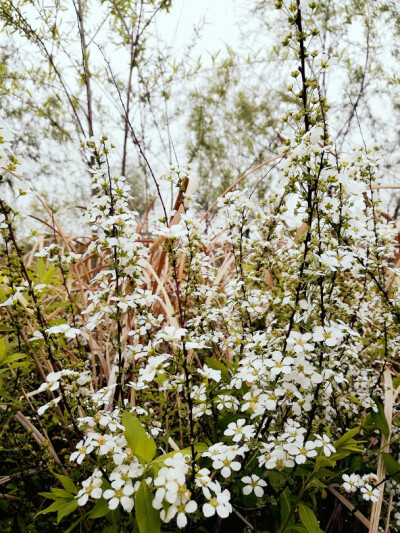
x,y
239,376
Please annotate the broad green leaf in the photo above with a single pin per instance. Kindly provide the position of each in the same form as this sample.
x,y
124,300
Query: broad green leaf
x,y
147,517
379,419
49,275
324,461
392,466
67,483
277,479
2,347
346,437
308,519
53,508
68,508
61,493
41,268
317,484
297,528
134,431
100,509
141,445
7,359
285,505
340,455
146,448
325,473
48,495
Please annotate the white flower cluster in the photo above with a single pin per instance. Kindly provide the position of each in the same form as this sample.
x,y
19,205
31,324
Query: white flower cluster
x,y
263,352
364,484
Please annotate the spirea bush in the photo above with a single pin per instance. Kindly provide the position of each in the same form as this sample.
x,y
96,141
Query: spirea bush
x,y
234,375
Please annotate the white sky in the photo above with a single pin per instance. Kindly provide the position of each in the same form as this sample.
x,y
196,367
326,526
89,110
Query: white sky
x,y
220,16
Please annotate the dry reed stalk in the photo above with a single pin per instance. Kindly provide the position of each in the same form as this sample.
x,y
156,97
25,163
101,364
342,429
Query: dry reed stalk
x,y
381,472
39,438
224,271
10,497
388,513
159,244
344,501
377,187
166,304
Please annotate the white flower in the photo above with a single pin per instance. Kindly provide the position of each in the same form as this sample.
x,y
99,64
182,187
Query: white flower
x,y
253,484
239,431
52,403
36,336
171,334
316,133
369,493
183,509
210,373
69,332
203,479
82,449
120,496
179,509
324,442
103,443
351,483
218,504
279,364
227,463
304,452
332,336
329,259
226,401
91,487
300,341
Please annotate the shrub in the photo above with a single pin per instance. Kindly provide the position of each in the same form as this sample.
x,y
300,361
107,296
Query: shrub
x,y
235,377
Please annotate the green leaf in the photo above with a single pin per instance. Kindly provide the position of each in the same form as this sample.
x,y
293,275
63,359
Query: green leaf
x,y
147,517
346,437
146,448
285,505
308,519
134,431
53,508
2,347
392,466
218,365
67,483
324,461
316,484
61,493
48,495
49,275
277,479
379,419
297,528
41,268
141,445
100,509
68,508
